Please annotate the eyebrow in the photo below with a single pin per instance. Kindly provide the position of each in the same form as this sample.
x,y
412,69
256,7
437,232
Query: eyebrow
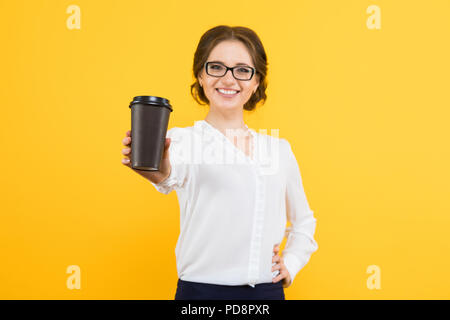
x,y
238,64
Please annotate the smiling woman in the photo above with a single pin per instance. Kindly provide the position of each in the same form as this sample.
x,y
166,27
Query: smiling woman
x,y
233,214
222,41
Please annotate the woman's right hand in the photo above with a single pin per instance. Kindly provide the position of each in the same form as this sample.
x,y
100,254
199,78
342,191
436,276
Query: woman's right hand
x,y
153,176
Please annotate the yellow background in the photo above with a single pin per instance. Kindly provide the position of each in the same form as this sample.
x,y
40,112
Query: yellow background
x,y
366,112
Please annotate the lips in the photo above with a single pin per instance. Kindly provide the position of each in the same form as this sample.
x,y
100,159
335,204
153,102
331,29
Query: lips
x,y
228,89
227,95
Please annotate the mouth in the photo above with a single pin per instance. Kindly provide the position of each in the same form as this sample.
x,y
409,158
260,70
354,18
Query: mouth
x,y
227,93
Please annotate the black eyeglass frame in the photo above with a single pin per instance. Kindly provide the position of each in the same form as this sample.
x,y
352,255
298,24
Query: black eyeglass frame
x,y
228,68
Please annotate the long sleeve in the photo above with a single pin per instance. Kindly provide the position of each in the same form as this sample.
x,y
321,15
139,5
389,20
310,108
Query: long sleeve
x,y
300,235
179,166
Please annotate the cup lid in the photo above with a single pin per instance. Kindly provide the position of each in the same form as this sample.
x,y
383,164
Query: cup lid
x,y
154,100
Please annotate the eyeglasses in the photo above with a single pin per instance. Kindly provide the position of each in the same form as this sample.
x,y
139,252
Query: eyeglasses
x,y
217,69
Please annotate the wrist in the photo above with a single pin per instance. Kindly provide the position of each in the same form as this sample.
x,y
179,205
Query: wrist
x,y
164,178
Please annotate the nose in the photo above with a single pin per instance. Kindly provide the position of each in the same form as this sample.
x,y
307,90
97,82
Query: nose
x,y
228,77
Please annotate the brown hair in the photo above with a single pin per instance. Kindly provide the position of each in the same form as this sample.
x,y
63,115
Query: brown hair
x,y
250,39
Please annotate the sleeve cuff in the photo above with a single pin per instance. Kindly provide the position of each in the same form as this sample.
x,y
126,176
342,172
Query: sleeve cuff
x,y
293,265
167,185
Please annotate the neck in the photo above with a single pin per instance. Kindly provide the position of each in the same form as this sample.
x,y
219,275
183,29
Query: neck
x,y
223,120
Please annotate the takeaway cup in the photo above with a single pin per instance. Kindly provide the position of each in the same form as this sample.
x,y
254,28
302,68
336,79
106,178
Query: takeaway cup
x,y
149,121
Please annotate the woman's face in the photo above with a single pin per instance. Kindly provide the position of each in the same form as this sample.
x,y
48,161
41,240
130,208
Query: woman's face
x,y
230,53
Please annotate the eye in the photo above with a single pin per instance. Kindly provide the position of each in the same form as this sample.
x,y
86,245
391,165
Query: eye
x,y
244,70
215,66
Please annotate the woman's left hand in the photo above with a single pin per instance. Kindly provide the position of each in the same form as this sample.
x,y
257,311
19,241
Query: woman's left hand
x,y
284,274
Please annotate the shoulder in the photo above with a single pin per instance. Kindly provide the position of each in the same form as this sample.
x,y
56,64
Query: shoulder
x,y
181,130
181,142
286,145
275,142
180,133
285,150
177,131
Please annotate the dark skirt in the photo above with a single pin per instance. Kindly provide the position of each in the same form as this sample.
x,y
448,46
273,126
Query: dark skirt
x,y
187,290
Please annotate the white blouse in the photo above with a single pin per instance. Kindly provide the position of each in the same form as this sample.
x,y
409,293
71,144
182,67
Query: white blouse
x,y
234,208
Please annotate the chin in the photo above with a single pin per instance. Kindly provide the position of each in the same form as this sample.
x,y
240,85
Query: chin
x,y
228,106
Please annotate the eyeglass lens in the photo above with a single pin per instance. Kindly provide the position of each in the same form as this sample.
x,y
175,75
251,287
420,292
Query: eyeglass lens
x,y
240,72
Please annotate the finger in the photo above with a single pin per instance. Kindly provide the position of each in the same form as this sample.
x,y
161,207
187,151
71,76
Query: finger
x,y
126,151
126,141
276,267
166,148
276,258
126,162
128,133
279,277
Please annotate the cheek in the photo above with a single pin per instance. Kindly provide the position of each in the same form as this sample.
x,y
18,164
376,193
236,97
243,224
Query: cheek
x,y
246,92
248,89
208,88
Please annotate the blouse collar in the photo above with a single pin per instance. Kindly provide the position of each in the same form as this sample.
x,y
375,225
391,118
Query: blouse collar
x,y
205,125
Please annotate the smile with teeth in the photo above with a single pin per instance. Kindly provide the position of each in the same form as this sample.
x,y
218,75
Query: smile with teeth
x,y
227,92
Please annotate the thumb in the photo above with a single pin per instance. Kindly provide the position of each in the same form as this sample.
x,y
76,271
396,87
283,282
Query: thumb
x,y
166,148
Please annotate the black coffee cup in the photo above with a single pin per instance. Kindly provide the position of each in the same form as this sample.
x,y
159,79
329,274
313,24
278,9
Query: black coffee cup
x,y
149,121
